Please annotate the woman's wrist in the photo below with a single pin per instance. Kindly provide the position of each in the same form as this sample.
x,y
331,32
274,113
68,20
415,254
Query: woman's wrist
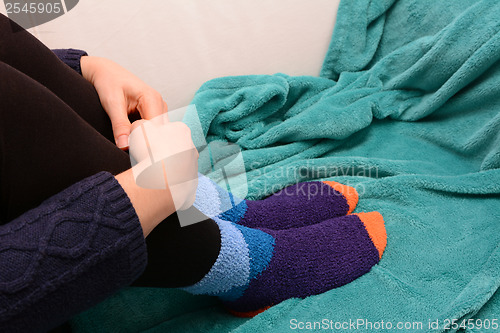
x,y
90,65
87,64
151,206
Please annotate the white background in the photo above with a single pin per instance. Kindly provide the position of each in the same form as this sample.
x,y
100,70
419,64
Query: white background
x,y
176,45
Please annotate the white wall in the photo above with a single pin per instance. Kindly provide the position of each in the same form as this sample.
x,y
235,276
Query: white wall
x,y
176,45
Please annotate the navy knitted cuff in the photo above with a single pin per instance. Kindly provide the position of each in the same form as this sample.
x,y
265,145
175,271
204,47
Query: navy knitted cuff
x,y
71,57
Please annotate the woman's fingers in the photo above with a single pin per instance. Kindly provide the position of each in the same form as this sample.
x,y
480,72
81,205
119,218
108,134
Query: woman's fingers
x,y
165,156
151,104
121,93
117,111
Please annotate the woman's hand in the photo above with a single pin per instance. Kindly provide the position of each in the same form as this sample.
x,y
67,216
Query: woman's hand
x,y
121,93
171,146
166,157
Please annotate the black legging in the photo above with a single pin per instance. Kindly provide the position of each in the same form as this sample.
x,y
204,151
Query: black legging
x,y
54,132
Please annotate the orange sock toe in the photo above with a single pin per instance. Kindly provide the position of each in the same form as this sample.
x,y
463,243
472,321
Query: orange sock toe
x,y
247,314
349,193
374,224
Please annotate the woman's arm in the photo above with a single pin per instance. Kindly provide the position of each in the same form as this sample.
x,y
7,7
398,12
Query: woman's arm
x,y
151,206
84,243
71,57
74,250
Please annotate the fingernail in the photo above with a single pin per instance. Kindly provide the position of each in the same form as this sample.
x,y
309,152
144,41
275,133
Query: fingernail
x,y
122,141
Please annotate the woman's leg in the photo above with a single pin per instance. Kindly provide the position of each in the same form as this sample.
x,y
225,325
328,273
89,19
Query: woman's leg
x,y
54,132
46,146
22,51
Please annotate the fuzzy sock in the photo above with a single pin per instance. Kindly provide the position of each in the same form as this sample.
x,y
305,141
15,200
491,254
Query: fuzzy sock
x,y
258,268
295,206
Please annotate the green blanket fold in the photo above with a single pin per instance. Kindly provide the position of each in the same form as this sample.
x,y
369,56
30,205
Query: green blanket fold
x,y
408,111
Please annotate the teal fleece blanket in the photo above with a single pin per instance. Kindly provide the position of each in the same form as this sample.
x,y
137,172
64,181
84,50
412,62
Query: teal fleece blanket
x,y
407,110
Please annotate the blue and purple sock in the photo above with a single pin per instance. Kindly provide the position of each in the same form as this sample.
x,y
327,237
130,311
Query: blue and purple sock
x,y
295,206
260,267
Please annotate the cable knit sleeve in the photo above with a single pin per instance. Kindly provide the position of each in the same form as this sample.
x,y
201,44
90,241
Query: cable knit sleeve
x,y
74,250
71,57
